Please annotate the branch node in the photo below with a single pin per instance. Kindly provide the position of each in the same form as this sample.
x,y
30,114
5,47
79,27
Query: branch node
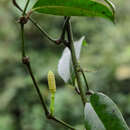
x,y
25,60
23,20
58,42
49,116
66,43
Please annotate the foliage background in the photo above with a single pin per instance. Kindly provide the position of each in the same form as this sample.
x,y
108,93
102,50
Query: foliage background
x,y
107,54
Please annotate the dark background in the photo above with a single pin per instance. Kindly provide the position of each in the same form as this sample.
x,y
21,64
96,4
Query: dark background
x,y
107,55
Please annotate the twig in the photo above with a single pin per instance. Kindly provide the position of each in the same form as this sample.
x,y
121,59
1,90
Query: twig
x,y
25,8
66,19
22,35
16,5
75,62
43,31
35,23
26,61
48,115
40,29
86,82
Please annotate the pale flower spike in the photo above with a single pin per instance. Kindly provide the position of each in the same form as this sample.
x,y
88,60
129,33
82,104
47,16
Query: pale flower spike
x,y
51,82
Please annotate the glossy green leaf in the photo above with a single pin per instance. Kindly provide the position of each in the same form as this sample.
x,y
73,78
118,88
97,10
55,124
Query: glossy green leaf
x,y
92,121
75,8
108,112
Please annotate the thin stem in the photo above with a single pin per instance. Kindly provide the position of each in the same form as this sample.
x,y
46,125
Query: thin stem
x,y
25,8
42,31
86,82
35,24
37,89
75,62
62,122
22,35
48,115
22,27
52,103
16,5
28,65
39,27
64,27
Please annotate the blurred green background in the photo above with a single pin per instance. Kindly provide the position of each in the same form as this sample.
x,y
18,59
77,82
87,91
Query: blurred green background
x,y
107,55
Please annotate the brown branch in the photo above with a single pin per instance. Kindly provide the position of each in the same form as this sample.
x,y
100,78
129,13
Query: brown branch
x,y
59,41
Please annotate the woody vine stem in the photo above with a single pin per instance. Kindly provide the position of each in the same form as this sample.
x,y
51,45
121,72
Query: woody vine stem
x,y
70,44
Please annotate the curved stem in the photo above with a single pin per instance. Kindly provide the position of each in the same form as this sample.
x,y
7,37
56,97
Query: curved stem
x,y
42,31
48,115
16,5
35,23
86,82
39,27
27,63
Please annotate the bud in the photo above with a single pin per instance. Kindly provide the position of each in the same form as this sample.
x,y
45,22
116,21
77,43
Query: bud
x,y
51,82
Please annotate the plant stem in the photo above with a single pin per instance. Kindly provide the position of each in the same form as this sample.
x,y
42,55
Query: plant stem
x,y
39,27
48,115
22,35
75,62
25,8
35,23
37,88
86,82
26,61
64,27
42,31
62,122
52,103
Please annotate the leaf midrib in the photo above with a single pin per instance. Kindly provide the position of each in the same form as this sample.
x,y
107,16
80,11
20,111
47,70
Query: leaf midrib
x,y
83,9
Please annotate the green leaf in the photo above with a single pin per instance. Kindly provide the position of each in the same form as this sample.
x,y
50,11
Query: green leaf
x,y
108,112
75,8
92,121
